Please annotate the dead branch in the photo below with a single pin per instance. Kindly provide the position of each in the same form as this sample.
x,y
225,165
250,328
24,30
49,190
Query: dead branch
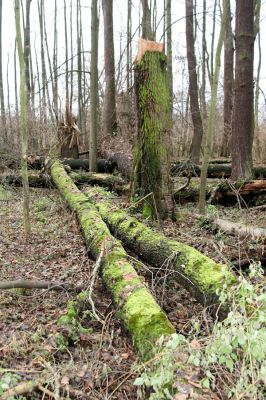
x,y
32,284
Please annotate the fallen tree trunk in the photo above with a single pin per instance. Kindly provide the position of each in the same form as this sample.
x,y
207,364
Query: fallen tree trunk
x,y
141,315
31,284
200,275
214,170
39,162
229,193
241,230
112,182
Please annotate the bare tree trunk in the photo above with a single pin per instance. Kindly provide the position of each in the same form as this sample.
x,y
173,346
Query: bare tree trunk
x,y
49,64
72,54
27,52
78,22
109,109
169,51
24,130
2,98
213,37
243,121
147,32
94,86
228,85
203,68
10,128
55,87
15,81
43,68
129,45
66,49
257,90
193,85
212,114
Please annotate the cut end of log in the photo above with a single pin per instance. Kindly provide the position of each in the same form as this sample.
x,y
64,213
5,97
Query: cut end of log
x,y
147,45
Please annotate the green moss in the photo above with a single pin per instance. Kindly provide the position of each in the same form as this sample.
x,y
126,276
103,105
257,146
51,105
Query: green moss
x,y
118,274
146,320
202,276
150,154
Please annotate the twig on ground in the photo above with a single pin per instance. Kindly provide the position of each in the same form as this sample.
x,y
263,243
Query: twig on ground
x,y
31,284
93,279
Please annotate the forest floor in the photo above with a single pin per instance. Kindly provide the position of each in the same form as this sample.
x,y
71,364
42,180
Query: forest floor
x,y
97,363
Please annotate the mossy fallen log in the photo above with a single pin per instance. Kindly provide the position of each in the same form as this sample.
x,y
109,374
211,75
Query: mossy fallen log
x,y
200,275
140,313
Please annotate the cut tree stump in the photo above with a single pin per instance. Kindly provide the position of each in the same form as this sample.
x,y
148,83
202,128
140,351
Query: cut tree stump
x,y
197,273
141,315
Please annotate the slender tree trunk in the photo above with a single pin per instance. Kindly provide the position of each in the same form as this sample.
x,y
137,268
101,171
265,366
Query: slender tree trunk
x,y
10,134
43,67
228,85
203,68
78,22
109,108
24,131
193,86
213,37
257,90
27,52
72,54
129,46
169,51
243,121
66,49
55,87
94,86
147,32
51,111
2,98
212,114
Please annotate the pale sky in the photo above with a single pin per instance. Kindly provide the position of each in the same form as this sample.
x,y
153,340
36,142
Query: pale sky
x,y
120,19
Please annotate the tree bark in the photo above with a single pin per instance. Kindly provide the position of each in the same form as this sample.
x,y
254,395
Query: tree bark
x,y
243,120
228,85
212,113
109,108
2,97
147,32
169,52
193,86
94,101
24,129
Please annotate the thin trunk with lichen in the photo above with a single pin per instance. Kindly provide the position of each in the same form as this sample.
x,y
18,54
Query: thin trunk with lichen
x,y
154,126
24,128
140,313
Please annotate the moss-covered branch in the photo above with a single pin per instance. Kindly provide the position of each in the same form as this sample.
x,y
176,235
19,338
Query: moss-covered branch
x,y
200,275
141,315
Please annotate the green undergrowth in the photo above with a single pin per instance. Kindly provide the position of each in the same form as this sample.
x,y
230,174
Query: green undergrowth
x,y
73,318
232,359
7,381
